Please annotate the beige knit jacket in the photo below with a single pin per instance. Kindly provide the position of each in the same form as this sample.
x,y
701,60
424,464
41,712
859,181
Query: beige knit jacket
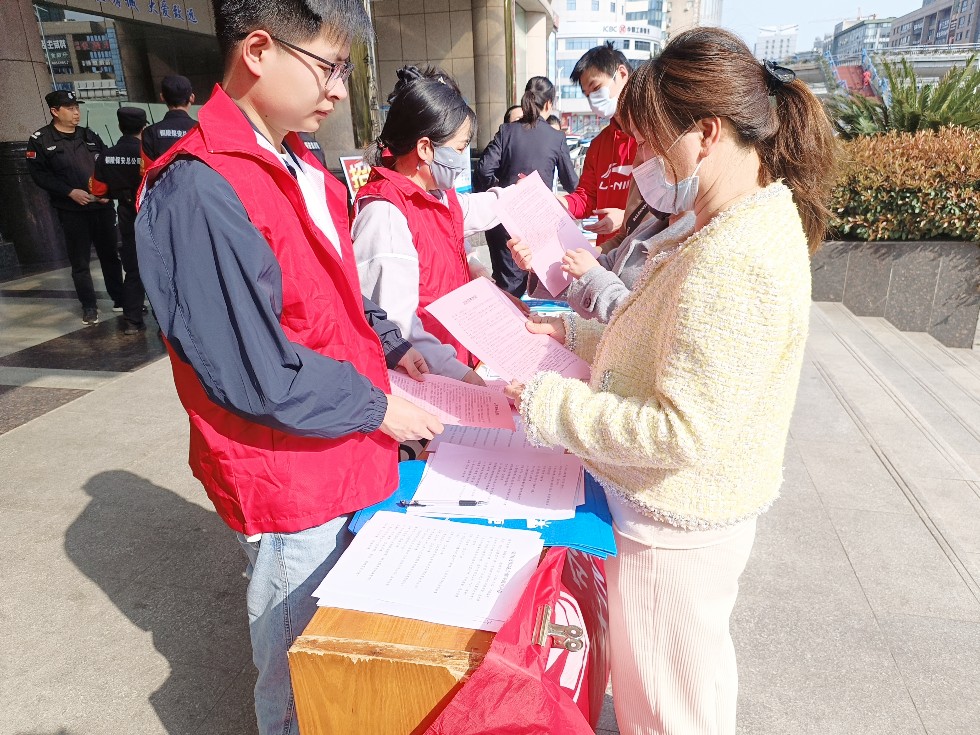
x,y
694,378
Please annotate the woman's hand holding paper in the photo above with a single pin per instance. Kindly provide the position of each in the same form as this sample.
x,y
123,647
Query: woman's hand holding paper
x,y
514,391
552,326
577,262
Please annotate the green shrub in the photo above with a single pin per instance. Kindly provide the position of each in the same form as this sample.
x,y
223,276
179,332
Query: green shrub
x,y
953,100
904,186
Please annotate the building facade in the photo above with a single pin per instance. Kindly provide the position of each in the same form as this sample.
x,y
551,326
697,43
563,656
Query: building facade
x,y
680,15
852,37
776,42
938,23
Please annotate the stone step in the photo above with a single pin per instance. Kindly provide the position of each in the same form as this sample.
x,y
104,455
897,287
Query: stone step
x,y
912,418
941,388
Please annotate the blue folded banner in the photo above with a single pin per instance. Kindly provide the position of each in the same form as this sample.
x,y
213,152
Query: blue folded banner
x,y
589,531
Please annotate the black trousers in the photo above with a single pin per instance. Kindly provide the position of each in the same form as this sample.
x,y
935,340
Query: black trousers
x,y
133,293
506,274
83,229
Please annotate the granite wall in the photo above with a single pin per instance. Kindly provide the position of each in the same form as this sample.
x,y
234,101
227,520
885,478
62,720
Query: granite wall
x,y
929,287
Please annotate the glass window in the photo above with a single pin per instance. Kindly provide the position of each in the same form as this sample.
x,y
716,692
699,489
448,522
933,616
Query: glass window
x,y
626,44
580,44
569,91
612,7
570,4
642,46
595,6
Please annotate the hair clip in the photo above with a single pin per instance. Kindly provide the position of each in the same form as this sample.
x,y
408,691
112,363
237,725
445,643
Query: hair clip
x,y
777,76
441,80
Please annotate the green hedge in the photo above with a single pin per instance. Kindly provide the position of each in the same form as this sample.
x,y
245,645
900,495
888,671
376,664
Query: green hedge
x,y
909,186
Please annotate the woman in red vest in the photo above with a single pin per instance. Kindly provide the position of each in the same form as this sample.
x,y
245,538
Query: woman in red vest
x,y
411,226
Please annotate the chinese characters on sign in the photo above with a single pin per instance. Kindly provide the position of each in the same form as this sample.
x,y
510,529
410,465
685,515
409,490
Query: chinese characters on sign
x,y
163,8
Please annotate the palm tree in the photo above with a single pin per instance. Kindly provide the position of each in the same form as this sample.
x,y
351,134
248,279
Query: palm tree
x,y
953,100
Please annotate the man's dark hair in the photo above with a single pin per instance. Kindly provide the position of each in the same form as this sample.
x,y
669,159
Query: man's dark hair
x,y
605,59
291,20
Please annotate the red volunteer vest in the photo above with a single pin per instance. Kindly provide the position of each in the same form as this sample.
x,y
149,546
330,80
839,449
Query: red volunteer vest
x,y
262,480
437,233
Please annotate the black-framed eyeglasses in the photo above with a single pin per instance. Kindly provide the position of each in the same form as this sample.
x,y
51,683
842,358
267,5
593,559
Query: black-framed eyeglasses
x,y
337,71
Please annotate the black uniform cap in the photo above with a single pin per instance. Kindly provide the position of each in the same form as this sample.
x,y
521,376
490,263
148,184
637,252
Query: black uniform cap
x,y
62,98
131,118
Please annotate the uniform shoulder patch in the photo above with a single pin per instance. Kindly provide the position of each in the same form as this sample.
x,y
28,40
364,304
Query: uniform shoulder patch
x,y
52,148
36,134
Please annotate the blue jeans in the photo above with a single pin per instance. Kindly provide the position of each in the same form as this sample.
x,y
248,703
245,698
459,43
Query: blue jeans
x,y
283,571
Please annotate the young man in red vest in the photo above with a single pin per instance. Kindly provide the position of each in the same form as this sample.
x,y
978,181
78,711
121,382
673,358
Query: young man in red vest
x,y
605,182
281,365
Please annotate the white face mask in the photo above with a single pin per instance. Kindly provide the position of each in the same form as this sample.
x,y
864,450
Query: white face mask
x,y
660,194
603,103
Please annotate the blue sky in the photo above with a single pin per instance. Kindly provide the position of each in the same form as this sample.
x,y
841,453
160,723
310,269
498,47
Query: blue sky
x,y
814,18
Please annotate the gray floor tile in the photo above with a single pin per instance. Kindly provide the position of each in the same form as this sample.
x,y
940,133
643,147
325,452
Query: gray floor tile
x,y
234,712
901,567
938,659
607,718
818,415
820,671
911,451
851,475
956,507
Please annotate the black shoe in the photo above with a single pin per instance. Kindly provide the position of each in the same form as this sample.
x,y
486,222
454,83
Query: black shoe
x,y
90,316
132,329
117,308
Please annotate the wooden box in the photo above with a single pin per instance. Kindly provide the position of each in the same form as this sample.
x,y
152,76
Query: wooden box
x,y
372,674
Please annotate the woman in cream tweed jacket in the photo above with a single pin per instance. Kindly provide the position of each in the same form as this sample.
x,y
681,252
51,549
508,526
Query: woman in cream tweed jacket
x,y
685,418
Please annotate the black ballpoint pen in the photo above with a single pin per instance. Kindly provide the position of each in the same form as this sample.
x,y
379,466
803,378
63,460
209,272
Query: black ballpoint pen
x,y
461,503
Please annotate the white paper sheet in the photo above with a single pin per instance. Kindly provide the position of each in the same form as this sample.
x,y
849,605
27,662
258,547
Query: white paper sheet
x,y
485,321
454,402
519,484
438,571
482,438
530,211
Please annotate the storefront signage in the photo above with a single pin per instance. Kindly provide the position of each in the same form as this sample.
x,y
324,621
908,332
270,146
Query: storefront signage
x,y
163,8
632,30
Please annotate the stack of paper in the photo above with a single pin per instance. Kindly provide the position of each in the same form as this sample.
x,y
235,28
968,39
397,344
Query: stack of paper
x,y
468,482
454,402
590,530
437,571
482,438
488,324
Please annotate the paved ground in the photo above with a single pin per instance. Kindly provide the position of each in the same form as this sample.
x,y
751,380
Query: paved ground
x,y
121,596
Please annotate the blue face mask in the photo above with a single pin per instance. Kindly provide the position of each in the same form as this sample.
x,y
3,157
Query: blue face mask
x,y
446,165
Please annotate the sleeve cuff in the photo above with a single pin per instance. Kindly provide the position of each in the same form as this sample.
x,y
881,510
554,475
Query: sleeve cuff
x,y
570,338
396,352
537,406
376,411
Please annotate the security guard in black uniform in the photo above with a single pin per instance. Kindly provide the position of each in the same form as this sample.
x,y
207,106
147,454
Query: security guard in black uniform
x,y
118,173
313,145
61,159
177,94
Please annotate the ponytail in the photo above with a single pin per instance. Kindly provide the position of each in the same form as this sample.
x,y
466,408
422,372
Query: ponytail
x,y
538,92
803,153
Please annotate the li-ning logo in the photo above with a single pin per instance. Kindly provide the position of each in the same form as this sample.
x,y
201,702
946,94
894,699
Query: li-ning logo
x,y
616,170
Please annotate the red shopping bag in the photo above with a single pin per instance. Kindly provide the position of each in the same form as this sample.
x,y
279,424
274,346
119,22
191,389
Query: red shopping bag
x,y
547,668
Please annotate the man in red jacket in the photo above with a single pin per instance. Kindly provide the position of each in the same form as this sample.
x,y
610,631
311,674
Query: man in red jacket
x,y
604,185
245,253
